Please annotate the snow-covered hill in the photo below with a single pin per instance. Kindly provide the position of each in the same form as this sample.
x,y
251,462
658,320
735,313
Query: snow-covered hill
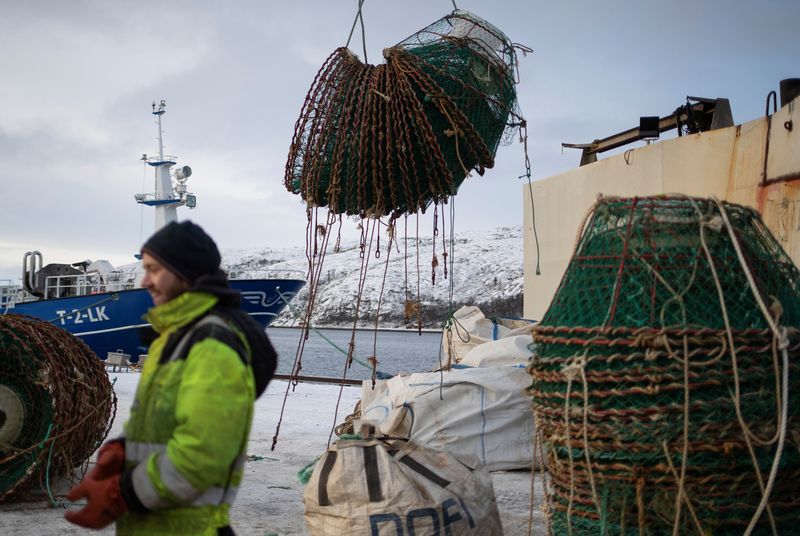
x,y
486,271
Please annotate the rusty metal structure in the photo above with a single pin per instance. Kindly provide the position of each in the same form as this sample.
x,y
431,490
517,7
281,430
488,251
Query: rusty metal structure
x,y
697,115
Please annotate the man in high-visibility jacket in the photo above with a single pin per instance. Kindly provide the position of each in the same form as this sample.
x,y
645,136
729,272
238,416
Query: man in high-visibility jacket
x,y
180,462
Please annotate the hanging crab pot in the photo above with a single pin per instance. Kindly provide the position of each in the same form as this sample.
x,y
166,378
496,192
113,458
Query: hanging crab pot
x,y
56,403
392,138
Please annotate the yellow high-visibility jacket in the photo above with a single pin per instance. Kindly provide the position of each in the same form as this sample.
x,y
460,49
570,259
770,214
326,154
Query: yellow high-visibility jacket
x,y
185,440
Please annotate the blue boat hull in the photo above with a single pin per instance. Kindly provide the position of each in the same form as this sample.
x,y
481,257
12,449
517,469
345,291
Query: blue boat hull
x,y
111,322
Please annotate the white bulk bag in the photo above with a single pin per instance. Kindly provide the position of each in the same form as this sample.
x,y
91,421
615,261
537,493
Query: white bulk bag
x,y
471,328
382,487
511,350
479,412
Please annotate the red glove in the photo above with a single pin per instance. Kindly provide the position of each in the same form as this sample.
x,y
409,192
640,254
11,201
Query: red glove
x,y
104,502
101,487
110,461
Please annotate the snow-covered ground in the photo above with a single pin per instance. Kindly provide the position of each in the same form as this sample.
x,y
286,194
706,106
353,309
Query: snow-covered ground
x,y
270,499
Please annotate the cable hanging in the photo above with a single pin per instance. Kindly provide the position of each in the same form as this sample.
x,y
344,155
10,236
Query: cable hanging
x,y
394,139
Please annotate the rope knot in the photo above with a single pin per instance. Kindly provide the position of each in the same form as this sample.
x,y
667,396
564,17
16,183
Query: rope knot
x,y
385,97
715,223
728,448
650,340
574,367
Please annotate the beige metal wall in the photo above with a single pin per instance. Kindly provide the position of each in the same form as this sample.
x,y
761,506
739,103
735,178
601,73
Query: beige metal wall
x,y
727,163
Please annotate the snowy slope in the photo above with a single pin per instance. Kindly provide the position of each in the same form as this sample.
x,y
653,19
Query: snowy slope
x,y
486,271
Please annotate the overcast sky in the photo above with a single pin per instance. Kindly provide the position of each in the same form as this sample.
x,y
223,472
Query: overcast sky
x,y
77,79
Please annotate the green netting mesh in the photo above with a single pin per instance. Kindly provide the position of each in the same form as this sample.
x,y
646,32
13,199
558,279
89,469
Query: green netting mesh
x,y
375,140
56,403
638,383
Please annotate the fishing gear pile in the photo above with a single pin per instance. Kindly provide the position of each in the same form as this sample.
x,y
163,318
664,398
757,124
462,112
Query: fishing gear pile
x,y
374,140
56,404
382,143
666,381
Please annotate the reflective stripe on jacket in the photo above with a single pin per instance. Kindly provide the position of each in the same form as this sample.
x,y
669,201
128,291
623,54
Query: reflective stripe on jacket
x,y
186,436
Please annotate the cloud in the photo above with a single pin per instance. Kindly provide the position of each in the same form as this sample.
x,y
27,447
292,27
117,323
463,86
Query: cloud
x,y
65,73
78,79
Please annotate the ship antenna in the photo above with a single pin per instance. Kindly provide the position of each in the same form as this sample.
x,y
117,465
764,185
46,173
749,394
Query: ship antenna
x,y
166,198
159,112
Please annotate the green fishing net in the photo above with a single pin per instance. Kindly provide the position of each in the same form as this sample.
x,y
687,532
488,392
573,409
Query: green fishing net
x,y
392,138
660,386
56,404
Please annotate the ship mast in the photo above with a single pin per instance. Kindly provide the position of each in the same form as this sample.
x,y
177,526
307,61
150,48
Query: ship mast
x,y
166,199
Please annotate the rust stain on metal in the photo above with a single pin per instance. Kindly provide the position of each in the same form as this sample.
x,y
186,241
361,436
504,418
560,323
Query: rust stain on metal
x,y
762,194
789,177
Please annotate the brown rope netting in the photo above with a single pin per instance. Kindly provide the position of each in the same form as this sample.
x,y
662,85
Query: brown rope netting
x,y
56,404
666,383
392,138
389,140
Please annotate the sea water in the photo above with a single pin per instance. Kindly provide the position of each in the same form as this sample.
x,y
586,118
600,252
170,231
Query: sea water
x,y
324,353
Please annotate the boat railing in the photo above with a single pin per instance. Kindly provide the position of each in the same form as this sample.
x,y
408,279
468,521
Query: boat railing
x,y
154,159
150,197
62,286
8,293
12,296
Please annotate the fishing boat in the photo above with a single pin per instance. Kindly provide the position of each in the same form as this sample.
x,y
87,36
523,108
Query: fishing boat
x,y
104,306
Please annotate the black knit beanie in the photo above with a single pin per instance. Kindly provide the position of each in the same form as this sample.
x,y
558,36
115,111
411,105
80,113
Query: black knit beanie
x,y
185,249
